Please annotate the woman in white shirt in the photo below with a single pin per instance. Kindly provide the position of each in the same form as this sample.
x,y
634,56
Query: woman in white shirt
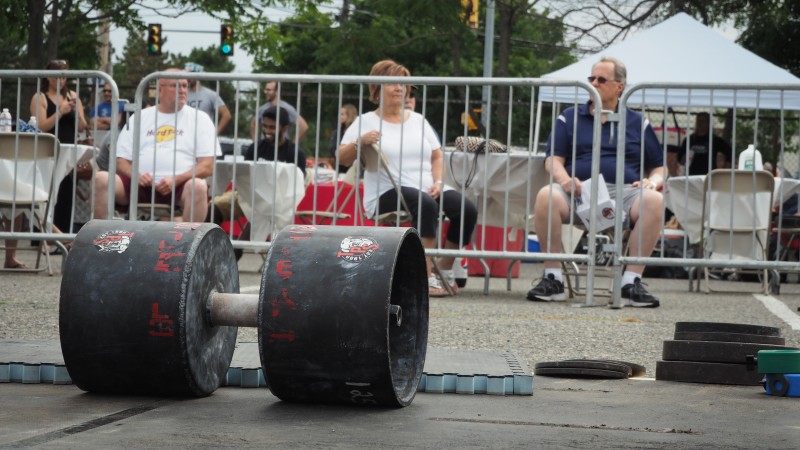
x,y
414,159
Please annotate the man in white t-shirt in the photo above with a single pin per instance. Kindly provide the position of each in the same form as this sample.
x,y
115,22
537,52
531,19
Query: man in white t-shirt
x,y
176,153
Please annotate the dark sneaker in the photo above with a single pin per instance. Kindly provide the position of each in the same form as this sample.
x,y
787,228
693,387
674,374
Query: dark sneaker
x,y
637,296
548,290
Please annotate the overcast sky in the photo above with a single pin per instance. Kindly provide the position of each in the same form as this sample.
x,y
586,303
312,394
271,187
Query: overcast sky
x,y
182,33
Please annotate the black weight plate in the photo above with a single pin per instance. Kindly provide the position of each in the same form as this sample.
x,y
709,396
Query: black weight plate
x,y
721,327
636,370
571,364
326,332
577,372
133,303
709,351
728,337
707,372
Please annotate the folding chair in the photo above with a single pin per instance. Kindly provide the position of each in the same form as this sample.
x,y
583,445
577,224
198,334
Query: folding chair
x,y
372,158
737,214
29,157
575,273
333,212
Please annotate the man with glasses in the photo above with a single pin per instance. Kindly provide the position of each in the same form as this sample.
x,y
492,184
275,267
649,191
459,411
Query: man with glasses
x,y
271,98
177,148
100,117
570,165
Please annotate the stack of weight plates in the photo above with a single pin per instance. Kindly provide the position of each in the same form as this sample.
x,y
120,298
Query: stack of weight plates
x,y
711,352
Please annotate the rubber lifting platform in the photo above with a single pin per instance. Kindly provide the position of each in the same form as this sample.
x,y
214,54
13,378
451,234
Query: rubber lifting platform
x,y
446,371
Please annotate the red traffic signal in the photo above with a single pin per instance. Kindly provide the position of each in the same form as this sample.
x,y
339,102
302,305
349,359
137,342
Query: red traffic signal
x,y
226,40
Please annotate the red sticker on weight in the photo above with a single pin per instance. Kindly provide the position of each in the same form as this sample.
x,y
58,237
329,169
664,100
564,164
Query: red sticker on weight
x,y
116,241
357,249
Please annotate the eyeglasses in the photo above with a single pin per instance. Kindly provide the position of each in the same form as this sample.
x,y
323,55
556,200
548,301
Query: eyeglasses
x,y
106,91
601,80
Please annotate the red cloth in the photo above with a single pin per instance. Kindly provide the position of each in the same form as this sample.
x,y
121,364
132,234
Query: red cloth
x,y
324,194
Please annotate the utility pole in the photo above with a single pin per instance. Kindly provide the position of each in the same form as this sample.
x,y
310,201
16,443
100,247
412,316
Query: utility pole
x,y
488,59
103,29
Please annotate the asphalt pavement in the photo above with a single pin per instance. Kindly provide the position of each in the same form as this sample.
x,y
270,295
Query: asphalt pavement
x,y
562,412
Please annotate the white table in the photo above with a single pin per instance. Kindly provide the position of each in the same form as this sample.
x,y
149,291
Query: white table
x,y
684,197
269,192
34,176
508,181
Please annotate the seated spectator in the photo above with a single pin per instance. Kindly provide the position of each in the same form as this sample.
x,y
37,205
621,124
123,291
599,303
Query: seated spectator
x,y
286,150
168,158
271,98
415,164
100,117
698,142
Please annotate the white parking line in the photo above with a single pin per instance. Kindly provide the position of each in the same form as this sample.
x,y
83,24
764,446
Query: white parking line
x,y
780,309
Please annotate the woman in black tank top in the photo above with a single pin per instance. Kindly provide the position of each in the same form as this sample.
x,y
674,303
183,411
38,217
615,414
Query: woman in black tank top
x,y
58,110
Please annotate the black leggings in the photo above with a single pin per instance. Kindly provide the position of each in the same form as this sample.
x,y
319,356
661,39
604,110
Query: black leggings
x,y
451,206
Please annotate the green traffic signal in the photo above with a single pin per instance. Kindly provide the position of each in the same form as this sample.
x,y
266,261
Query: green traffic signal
x,y
154,40
226,40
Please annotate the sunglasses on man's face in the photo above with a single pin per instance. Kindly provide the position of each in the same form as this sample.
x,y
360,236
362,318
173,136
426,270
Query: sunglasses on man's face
x,y
601,80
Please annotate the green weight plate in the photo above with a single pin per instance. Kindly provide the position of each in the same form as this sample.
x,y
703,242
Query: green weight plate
x,y
779,361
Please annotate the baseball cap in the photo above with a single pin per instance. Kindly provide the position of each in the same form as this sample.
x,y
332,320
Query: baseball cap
x,y
193,67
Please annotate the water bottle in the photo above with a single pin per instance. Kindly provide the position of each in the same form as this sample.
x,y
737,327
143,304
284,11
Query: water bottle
x,y
460,271
750,159
33,123
5,121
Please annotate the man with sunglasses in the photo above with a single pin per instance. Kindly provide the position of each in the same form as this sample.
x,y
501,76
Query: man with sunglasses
x,y
100,117
643,204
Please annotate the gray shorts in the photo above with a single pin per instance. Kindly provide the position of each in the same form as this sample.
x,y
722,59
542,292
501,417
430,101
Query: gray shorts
x,y
630,194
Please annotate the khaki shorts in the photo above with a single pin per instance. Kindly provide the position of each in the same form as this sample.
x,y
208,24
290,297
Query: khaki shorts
x,y
630,194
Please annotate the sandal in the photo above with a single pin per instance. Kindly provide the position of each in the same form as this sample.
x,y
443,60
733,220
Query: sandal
x,y
450,279
17,266
435,288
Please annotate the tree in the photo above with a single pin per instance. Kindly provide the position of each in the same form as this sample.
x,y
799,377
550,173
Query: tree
x,y
428,37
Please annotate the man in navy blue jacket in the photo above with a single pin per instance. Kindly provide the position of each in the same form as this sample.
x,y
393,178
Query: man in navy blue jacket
x,y
643,207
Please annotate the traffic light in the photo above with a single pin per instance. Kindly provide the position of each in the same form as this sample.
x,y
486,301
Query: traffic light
x,y
226,40
154,39
470,13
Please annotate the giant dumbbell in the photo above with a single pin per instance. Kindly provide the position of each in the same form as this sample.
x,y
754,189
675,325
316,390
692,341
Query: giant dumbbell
x,y
153,307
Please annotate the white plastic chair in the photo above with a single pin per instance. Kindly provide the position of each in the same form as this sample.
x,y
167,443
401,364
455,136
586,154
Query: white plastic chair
x,y
737,213
26,186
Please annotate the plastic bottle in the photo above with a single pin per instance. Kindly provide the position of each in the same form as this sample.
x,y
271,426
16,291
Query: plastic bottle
x,y
460,271
33,122
750,158
5,121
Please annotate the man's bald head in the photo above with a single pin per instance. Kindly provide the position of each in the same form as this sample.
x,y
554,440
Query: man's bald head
x,y
170,90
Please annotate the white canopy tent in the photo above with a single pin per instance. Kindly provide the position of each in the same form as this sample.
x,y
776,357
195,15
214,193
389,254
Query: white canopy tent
x,y
684,51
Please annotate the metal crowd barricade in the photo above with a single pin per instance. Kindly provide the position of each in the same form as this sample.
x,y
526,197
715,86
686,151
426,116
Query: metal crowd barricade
x,y
21,85
698,97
